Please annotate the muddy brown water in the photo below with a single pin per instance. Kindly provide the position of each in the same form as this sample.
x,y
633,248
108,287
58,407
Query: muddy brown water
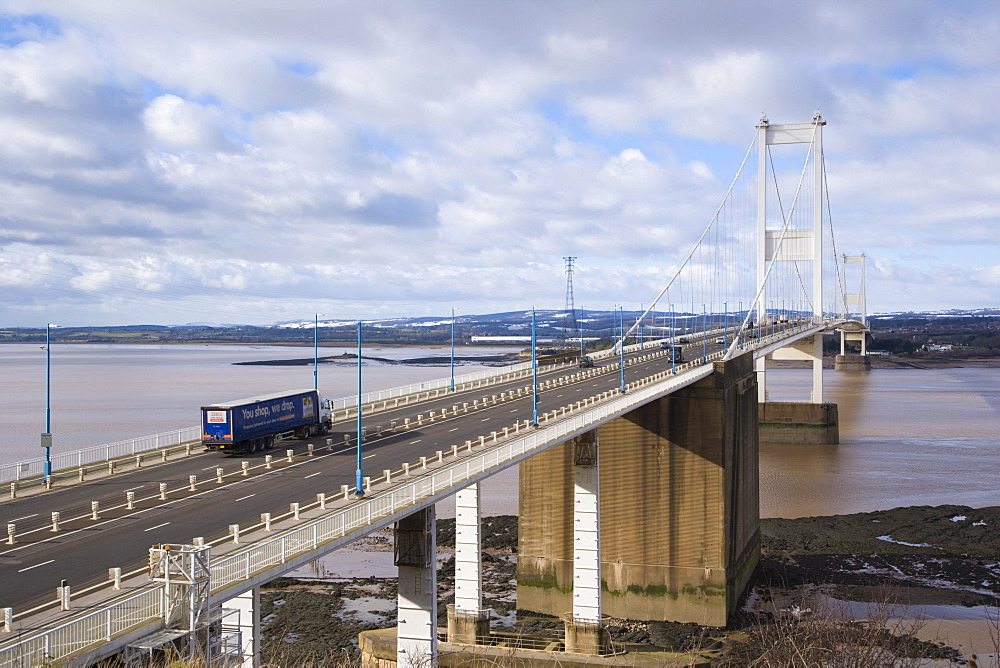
x,y
907,437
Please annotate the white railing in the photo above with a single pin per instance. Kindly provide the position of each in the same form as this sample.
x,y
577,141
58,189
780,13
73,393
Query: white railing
x,y
278,551
41,648
461,382
144,608
34,468
328,533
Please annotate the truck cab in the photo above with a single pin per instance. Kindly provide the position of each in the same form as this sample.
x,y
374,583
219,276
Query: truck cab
x,y
586,361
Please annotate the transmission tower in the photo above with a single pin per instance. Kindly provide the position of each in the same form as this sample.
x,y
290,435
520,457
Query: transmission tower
x,y
571,325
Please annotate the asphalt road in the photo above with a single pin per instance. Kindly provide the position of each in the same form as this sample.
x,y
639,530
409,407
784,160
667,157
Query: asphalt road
x,y
83,550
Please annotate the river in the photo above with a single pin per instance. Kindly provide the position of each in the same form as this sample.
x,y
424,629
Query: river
x,y
907,436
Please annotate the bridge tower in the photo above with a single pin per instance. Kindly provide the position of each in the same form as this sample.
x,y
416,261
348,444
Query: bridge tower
x,y
855,331
814,421
780,244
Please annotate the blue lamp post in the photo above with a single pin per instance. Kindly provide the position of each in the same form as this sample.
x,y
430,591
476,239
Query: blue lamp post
x,y
704,334
642,339
452,386
534,373
47,436
725,326
359,489
673,342
579,324
621,345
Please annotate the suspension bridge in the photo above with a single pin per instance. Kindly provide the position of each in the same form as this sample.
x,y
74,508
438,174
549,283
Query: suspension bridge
x,y
638,476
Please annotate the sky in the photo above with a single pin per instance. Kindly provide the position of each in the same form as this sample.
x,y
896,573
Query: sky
x,y
248,161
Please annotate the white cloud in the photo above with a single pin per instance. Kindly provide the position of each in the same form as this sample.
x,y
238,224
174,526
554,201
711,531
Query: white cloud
x,y
179,123
252,158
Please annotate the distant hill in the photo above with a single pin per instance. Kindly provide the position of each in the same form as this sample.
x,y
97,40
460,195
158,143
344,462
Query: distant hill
x,y
492,328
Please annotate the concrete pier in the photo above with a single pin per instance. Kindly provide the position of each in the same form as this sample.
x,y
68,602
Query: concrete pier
x,y
852,363
794,422
414,550
679,512
468,622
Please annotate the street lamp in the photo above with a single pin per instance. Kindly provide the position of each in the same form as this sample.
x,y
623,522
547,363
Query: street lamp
x,y
621,349
534,373
452,386
47,436
359,489
725,326
704,334
673,342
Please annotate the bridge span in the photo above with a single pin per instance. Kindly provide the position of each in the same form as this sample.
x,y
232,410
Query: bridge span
x,y
575,402
638,477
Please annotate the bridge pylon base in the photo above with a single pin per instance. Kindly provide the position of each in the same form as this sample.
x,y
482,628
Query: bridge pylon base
x,y
584,636
798,423
468,627
679,507
852,363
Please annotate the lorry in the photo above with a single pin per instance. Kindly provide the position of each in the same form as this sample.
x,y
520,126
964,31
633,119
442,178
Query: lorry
x,y
586,361
675,352
257,423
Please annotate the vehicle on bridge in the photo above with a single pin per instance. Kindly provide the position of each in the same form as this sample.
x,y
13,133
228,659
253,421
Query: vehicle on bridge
x,y
586,361
257,423
676,352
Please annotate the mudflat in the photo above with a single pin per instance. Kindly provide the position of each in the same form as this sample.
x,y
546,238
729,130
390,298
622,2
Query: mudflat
x,y
919,555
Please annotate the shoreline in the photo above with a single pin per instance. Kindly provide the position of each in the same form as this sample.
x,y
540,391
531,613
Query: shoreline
x,y
919,557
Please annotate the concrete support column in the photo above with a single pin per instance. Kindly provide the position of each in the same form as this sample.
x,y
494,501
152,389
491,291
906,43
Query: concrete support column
x,y
248,603
584,632
817,369
678,505
416,635
467,621
760,366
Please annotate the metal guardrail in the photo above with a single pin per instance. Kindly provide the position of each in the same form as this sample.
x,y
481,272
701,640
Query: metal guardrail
x,y
34,468
463,381
85,631
99,627
330,532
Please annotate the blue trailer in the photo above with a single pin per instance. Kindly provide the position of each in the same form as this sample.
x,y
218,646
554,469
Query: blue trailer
x,y
257,423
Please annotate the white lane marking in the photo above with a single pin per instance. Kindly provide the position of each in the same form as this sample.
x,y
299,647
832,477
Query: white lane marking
x,y
243,498
514,411
210,468
312,474
454,429
484,419
36,565
369,456
558,395
24,518
132,489
416,441
157,526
